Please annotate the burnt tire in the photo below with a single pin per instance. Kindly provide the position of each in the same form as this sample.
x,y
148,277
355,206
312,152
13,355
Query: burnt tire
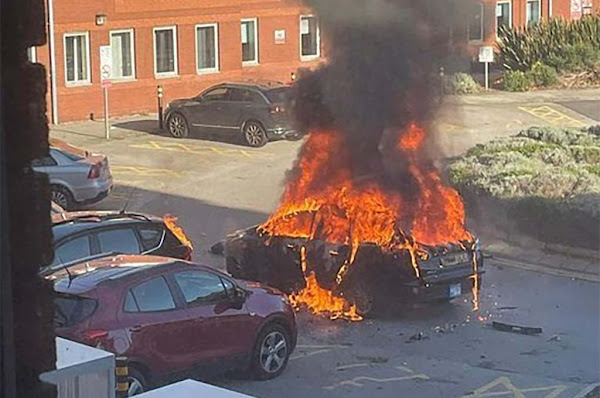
x,y
178,126
62,197
254,134
137,382
271,352
361,296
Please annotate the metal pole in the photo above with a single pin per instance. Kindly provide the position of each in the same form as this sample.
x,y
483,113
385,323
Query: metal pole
x,y
159,92
106,124
487,77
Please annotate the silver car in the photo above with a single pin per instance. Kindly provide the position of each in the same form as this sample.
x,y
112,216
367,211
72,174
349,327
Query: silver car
x,y
76,176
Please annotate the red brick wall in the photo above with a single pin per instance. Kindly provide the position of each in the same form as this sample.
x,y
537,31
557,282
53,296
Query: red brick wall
x,y
276,61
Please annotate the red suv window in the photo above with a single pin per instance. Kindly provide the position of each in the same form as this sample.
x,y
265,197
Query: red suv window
x,y
149,296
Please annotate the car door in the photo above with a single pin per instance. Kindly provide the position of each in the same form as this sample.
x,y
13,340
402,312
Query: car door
x,y
155,323
220,326
240,102
207,112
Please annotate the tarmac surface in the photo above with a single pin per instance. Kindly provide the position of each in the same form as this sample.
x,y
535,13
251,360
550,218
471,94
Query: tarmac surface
x,y
216,186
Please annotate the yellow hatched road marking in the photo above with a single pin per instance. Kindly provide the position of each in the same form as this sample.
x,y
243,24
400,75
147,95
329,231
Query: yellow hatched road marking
x,y
407,374
512,391
203,149
552,116
145,171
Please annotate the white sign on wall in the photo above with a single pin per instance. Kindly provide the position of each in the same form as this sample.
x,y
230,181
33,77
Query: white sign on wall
x,y
279,36
105,65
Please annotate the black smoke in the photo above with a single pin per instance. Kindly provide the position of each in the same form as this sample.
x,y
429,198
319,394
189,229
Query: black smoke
x,y
382,70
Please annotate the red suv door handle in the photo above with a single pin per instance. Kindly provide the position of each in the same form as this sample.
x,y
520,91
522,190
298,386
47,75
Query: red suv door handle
x,y
199,319
136,328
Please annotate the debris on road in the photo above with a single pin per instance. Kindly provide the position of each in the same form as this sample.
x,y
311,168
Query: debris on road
x,y
506,327
417,337
373,359
554,338
218,248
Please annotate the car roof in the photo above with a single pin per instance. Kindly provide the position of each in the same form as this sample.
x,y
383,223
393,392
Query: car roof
x,y
263,85
93,273
69,223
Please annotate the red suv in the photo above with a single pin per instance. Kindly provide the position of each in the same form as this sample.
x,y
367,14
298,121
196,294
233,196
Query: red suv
x,y
167,315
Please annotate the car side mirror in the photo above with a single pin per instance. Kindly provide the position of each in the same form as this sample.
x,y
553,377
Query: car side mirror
x,y
238,298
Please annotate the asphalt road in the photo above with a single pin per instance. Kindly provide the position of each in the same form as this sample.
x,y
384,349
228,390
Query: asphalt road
x,y
216,187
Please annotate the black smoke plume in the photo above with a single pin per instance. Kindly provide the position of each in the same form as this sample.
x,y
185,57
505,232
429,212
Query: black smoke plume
x,y
382,70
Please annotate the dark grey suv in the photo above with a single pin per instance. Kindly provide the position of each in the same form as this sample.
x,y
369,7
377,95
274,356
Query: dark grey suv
x,y
254,112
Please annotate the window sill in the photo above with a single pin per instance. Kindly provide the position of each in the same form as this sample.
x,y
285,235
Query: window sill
x,y
250,63
165,76
478,41
304,58
78,84
207,71
123,80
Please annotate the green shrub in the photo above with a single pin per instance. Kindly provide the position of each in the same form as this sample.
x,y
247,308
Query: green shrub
x,y
517,81
543,75
567,46
460,83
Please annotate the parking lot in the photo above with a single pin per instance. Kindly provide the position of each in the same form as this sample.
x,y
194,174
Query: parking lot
x,y
215,187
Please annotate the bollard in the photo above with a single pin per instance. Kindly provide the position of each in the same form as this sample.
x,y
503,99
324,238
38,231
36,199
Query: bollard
x,y
121,373
159,93
442,81
293,77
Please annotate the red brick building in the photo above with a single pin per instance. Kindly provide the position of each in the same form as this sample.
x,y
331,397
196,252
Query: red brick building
x,y
182,45
187,45
489,15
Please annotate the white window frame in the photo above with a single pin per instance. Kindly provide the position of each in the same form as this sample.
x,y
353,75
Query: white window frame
x,y
527,10
309,57
481,30
215,26
172,28
510,13
33,58
256,55
88,79
133,74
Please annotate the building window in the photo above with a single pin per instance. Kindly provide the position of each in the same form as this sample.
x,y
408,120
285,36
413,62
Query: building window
x,y
476,23
249,41
123,58
31,55
533,12
309,37
165,51
77,58
503,15
207,48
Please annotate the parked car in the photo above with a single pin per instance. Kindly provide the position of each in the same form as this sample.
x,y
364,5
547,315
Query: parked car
x,y
377,274
256,113
79,235
76,176
169,317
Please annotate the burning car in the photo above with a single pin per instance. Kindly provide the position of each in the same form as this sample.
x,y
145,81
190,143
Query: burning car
x,y
338,244
400,273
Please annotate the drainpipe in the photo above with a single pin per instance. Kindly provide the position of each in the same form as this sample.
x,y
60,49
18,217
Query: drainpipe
x,y
549,9
51,43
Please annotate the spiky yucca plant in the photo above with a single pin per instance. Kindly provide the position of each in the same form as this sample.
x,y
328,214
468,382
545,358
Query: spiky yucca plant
x,y
551,42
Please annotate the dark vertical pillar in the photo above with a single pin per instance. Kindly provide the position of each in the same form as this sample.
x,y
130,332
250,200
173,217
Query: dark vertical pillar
x,y
28,347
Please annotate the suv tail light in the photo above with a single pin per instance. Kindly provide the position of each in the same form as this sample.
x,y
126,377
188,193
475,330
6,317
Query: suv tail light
x,y
95,171
187,254
277,109
94,337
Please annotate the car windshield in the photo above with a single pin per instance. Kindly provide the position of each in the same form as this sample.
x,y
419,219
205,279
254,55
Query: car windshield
x,y
279,95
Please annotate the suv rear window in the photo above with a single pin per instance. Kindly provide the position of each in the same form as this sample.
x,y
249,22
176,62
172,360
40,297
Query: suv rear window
x,y
70,310
278,95
151,237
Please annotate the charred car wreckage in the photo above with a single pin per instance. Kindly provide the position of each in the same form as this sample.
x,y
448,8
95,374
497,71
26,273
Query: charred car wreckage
x,y
367,277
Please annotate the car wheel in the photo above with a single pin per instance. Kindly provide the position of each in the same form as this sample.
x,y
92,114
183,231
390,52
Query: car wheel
x,y
359,295
254,134
178,126
271,352
137,382
62,197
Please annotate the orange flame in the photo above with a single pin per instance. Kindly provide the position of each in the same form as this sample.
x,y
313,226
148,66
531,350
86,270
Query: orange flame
x,y
171,223
324,200
319,300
